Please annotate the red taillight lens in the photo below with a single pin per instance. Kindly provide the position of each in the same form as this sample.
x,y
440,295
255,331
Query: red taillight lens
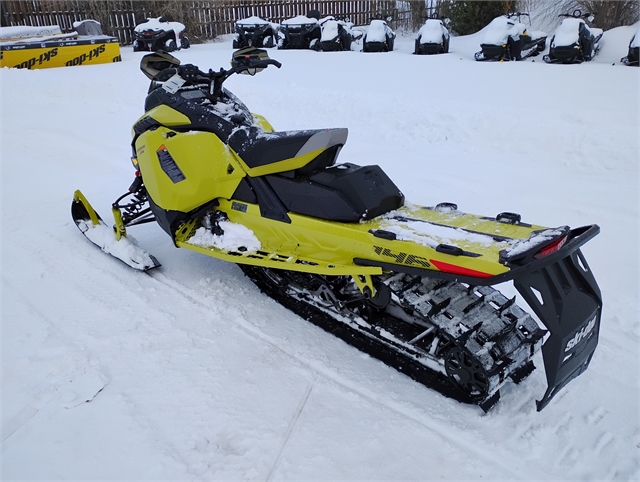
x,y
551,248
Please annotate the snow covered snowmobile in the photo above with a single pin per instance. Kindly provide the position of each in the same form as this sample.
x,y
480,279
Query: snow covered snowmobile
x,y
573,41
301,32
254,31
378,38
338,245
433,38
337,34
155,34
506,38
634,50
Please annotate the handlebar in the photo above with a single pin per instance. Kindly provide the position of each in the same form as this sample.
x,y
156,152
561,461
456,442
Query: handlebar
x,y
192,74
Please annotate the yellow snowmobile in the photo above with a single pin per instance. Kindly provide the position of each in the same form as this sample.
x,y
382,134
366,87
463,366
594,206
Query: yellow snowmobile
x,y
337,244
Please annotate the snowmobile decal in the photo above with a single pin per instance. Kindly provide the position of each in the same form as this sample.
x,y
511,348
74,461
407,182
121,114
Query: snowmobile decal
x,y
338,245
169,166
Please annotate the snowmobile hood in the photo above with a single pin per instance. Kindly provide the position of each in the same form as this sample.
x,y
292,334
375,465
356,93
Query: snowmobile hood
x,y
377,31
432,31
500,29
568,32
252,21
158,25
300,20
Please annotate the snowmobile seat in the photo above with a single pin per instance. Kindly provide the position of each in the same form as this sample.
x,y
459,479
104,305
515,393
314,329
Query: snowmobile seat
x,y
343,193
258,148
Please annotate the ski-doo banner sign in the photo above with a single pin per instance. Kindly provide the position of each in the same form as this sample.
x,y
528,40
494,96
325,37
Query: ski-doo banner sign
x,y
67,53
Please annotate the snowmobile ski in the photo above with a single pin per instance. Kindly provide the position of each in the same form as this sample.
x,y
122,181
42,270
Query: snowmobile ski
x,y
95,230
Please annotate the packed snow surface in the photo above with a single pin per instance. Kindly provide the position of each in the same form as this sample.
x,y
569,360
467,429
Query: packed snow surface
x,y
188,372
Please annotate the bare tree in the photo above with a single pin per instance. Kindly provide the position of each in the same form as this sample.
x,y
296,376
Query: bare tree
x,y
607,13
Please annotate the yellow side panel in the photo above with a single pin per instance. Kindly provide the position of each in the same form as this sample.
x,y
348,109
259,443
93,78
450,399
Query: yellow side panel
x,y
182,171
59,54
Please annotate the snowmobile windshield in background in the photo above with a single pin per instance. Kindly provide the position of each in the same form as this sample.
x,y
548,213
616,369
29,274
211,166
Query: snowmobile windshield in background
x,y
568,32
246,57
152,64
432,31
329,30
499,31
377,31
635,40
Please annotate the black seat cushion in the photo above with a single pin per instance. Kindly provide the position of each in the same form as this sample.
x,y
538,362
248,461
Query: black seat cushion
x,y
345,193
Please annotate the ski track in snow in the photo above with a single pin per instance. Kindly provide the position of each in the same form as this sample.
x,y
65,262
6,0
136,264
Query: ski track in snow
x,y
320,370
188,372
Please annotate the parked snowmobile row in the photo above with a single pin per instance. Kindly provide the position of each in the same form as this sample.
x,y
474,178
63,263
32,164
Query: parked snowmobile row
x,y
327,34
409,284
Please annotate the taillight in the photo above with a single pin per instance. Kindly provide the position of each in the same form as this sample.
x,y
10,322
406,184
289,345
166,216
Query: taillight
x,y
551,248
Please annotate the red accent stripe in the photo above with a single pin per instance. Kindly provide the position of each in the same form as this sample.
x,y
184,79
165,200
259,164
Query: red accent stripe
x,y
452,268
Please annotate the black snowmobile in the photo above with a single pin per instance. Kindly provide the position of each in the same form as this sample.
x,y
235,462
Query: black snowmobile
x,y
574,41
155,34
433,38
379,37
301,32
337,34
634,50
254,31
338,245
506,38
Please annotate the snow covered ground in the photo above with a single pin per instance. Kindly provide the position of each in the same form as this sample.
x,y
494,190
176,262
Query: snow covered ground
x,y
189,373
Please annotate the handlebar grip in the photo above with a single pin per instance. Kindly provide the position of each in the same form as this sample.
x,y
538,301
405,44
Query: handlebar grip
x,y
257,64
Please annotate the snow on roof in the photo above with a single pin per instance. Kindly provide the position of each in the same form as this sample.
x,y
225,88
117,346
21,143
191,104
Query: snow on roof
x,y
24,32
